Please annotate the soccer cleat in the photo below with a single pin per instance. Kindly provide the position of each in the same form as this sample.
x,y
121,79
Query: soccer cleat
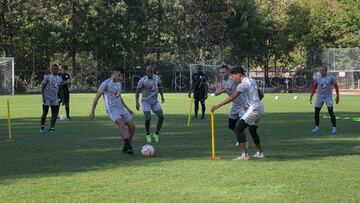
x,y
148,138
316,130
202,117
243,156
333,131
259,155
195,117
130,150
52,130
156,138
42,130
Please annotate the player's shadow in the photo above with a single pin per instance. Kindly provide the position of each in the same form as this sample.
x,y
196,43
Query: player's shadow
x,y
83,145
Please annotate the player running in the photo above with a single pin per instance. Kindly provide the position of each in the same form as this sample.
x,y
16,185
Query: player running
x,y
116,108
323,83
149,86
252,95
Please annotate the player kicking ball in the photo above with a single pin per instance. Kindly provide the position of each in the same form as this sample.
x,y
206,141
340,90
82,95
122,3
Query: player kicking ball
x,y
324,83
248,89
149,86
116,108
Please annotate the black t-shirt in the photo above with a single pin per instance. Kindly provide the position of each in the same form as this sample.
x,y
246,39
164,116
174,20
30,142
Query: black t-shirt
x,y
200,81
65,77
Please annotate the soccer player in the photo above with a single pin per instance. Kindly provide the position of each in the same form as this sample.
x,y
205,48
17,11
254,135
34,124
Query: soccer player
x,y
64,90
200,86
228,86
252,95
116,108
49,92
323,83
149,86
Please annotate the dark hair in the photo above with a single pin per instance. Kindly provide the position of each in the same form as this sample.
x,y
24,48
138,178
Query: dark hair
x,y
64,67
118,68
237,69
224,67
55,65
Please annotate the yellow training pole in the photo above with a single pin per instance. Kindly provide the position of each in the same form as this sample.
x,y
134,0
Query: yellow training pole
x,y
9,121
189,117
213,157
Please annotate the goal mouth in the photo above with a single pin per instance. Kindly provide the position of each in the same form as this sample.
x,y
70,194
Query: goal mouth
x,y
7,75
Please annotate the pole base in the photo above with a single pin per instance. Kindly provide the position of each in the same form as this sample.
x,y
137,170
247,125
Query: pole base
x,y
215,158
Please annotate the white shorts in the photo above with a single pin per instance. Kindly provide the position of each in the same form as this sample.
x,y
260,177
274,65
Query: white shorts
x,y
147,107
50,102
117,115
321,100
237,114
253,114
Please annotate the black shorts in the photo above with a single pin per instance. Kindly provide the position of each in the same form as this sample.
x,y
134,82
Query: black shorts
x,y
200,94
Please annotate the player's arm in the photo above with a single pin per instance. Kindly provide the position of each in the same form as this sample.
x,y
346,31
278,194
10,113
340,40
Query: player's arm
x,y
313,90
207,84
226,101
261,94
126,107
219,90
191,89
137,95
95,102
337,98
161,92
43,85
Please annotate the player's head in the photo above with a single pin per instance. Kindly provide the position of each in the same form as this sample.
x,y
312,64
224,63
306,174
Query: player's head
x,y
323,71
117,73
64,68
55,69
149,71
224,71
200,69
238,74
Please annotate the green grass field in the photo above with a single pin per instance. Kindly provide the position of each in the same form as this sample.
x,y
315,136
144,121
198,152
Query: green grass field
x,y
83,162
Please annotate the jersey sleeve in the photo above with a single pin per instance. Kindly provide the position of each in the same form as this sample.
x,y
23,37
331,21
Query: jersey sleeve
x,y
102,87
243,86
45,80
140,83
333,80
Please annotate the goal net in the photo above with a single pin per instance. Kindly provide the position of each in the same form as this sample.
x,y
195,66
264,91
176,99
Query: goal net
x,y
7,75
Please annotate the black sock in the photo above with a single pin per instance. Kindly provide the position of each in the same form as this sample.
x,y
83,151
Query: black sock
x,y
127,142
67,109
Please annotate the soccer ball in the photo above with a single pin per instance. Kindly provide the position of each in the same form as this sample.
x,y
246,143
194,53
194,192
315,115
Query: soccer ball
x,y
295,97
62,117
147,150
276,97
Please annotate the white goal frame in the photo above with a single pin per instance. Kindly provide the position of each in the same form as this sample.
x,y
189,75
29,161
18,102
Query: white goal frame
x,y
12,59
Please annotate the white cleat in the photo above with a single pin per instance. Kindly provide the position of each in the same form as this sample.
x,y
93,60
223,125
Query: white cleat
x,y
333,131
243,156
259,155
316,130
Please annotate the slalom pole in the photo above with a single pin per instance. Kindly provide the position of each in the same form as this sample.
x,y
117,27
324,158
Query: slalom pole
x,y
10,136
213,157
189,117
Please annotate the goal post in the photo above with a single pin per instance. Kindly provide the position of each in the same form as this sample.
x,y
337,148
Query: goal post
x,y
7,75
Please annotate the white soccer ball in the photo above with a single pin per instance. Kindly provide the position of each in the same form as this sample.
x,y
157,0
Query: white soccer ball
x,y
147,150
62,117
276,97
212,94
295,97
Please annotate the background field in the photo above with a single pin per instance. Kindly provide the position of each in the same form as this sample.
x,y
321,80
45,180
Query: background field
x,y
82,162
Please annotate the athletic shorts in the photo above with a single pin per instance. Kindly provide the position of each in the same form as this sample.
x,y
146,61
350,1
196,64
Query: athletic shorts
x,y
253,114
321,100
147,107
66,95
117,115
199,94
237,112
50,101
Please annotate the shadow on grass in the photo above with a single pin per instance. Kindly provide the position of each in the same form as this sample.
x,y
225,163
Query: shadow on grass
x,y
83,145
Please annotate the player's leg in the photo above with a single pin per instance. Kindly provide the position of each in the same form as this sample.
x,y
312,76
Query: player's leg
x,y
67,103
256,138
203,108
196,105
54,116
252,118
147,117
159,113
241,137
318,105
233,119
43,117
329,104
127,148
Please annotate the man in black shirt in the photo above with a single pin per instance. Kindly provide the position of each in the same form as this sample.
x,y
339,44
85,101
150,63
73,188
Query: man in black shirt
x,y
64,90
200,85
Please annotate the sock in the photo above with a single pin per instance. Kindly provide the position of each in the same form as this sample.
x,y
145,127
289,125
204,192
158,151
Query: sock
x,y
127,142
